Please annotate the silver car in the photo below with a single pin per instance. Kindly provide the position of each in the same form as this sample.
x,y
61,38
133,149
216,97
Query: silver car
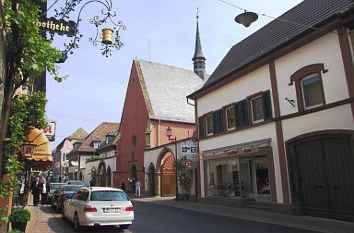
x,y
99,206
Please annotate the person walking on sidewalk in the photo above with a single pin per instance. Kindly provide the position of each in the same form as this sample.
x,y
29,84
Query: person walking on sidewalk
x,y
122,185
44,191
21,192
137,188
35,190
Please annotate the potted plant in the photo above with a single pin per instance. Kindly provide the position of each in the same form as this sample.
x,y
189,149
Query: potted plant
x,y
19,218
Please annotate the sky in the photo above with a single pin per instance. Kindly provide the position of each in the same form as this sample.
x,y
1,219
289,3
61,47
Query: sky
x,y
161,31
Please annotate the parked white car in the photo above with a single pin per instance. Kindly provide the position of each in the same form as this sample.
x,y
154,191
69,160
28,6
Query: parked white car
x,y
99,206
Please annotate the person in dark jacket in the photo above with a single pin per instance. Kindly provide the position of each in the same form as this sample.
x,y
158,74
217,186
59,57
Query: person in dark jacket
x,y
35,190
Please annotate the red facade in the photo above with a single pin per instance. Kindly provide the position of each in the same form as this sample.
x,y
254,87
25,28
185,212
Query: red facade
x,y
133,127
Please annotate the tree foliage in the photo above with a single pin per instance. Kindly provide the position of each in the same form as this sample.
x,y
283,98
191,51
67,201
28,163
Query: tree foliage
x,y
28,56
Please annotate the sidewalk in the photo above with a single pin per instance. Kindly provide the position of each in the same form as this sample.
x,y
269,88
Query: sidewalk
x,y
303,222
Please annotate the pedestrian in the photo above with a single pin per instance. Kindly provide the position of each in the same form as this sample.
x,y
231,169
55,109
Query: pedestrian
x,y
21,192
122,185
137,188
44,191
35,190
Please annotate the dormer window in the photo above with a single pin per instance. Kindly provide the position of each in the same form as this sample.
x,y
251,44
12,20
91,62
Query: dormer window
x,y
77,145
95,144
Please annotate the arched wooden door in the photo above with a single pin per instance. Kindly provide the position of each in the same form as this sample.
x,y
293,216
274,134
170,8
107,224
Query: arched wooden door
x,y
108,177
151,181
102,175
168,184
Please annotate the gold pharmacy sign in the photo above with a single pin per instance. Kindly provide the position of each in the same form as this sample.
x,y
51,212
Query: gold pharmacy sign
x,y
57,26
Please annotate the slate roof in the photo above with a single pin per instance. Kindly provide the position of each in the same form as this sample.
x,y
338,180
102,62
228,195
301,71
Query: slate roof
x,y
166,88
98,134
275,34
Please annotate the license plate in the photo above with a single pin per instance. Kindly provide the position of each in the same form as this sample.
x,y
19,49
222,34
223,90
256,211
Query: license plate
x,y
111,210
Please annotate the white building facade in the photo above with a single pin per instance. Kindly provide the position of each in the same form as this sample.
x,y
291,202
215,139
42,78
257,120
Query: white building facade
x,y
276,125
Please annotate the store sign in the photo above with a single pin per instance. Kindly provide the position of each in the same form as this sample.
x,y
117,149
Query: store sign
x,y
49,131
189,148
57,26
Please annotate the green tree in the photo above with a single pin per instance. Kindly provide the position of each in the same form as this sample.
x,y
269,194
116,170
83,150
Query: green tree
x,y
28,56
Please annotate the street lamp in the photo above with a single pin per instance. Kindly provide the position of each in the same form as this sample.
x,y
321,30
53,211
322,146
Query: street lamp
x,y
246,18
169,135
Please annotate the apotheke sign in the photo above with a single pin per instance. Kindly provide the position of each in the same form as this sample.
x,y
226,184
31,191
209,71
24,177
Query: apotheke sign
x,y
58,26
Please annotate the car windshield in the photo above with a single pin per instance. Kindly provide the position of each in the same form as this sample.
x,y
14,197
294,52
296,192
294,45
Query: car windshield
x,y
108,196
76,182
71,188
53,187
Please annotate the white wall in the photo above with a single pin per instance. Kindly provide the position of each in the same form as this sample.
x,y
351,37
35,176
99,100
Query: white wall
x,y
237,90
324,50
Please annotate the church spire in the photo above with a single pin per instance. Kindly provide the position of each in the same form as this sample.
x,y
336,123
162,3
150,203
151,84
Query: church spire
x,y
198,59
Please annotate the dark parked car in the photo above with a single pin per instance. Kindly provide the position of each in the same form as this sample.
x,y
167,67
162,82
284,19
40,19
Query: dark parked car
x,y
52,188
63,193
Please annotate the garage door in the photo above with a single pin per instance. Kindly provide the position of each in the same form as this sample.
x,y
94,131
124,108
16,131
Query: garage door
x,y
326,177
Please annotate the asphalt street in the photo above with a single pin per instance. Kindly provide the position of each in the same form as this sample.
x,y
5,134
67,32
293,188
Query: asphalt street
x,y
161,219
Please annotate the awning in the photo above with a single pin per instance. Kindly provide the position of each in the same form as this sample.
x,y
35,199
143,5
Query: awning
x,y
42,156
252,144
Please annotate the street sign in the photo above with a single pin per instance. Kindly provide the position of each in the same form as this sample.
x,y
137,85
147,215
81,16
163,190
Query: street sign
x,y
189,164
188,148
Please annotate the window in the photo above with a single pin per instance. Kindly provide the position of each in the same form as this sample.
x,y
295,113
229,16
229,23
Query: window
x,y
311,88
147,140
222,178
257,109
308,86
260,107
209,124
230,118
96,144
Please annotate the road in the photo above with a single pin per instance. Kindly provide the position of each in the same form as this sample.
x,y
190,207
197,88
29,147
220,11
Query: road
x,y
153,218
156,218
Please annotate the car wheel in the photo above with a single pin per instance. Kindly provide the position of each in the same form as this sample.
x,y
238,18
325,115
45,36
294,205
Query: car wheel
x,y
125,226
77,226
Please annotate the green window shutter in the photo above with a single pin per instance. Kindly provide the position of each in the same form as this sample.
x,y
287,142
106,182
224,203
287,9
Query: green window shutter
x,y
267,105
216,122
201,126
241,114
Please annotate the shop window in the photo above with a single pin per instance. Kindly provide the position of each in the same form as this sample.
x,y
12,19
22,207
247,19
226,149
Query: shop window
x,y
262,177
309,86
209,124
223,178
230,118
